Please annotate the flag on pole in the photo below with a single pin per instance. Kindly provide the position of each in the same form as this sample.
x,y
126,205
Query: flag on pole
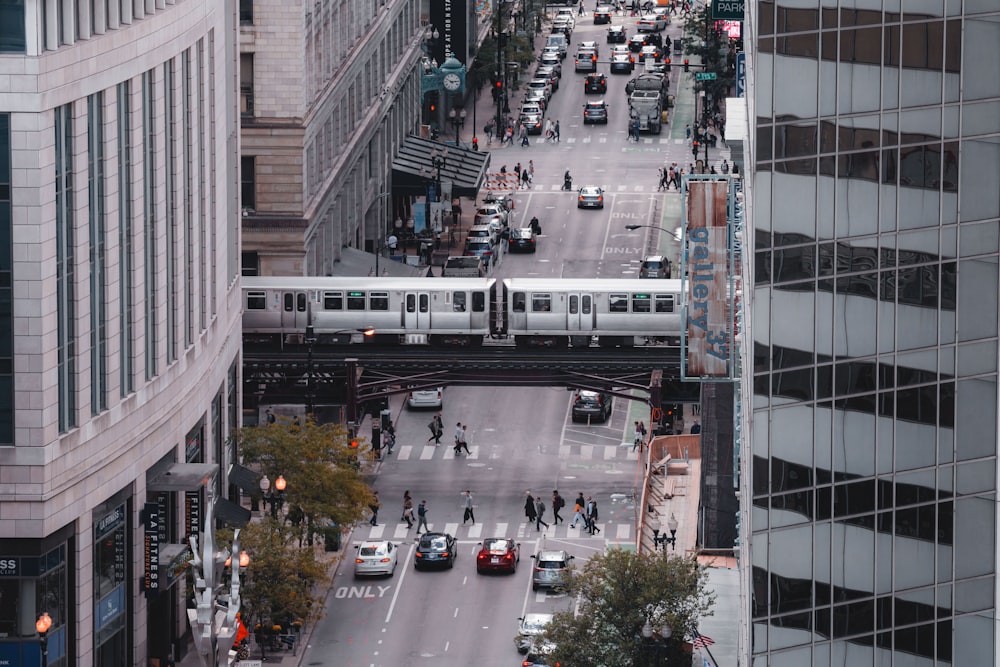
x,y
700,640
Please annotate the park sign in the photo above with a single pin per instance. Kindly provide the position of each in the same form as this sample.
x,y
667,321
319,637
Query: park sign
x,y
728,10
706,333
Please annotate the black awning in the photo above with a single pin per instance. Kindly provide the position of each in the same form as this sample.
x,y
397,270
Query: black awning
x,y
246,479
231,513
181,477
414,167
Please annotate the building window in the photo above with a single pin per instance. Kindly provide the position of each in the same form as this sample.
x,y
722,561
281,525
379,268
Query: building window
x,y
187,97
170,210
12,26
6,291
246,12
65,268
98,259
126,314
149,219
246,84
248,182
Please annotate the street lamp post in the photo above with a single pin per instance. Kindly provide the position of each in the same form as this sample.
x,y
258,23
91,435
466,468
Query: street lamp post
x,y
457,120
277,497
632,228
663,540
655,649
42,626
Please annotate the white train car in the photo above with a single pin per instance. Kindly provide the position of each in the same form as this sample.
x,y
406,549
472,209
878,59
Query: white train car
x,y
406,311
615,312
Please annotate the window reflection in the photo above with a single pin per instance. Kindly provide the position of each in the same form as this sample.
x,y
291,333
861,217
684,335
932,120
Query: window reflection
x,y
861,46
794,140
794,264
854,619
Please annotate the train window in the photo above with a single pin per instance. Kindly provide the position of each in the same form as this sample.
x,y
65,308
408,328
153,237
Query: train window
x,y
378,301
300,302
574,304
641,303
458,302
478,302
411,303
519,302
333,300
356,301
256,300
618,303
424,303
586,301
541,303
664,303
288,302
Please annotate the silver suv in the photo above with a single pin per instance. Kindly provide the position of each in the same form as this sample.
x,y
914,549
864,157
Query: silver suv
x,y
655,266
551,569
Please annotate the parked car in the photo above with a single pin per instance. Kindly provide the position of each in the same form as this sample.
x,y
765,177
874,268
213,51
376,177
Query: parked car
x,y
552,569
595,112
592,405
483,248
375,557
552,60
532,119
435,550
523,240
490,211
535,97
549,73
538,654
498,554
617,34
483,230
595,83
432,398
602,14
531,626
541,84
654,266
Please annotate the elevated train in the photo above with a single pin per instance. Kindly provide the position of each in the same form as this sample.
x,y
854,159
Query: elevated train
x,y
461,311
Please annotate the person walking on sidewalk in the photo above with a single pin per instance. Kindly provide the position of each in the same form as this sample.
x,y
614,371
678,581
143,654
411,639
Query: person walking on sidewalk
x,y
558,502
374,506
529,508
488,129
422,516
637,439
408,509
469,510
539,513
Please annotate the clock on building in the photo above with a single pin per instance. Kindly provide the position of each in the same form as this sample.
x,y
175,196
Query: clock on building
x,y
452,81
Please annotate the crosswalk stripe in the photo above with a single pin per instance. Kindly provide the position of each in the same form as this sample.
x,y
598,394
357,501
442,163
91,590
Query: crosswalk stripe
x,y
451,528
610,453
404,452
473,533
427,453
622,531
376,532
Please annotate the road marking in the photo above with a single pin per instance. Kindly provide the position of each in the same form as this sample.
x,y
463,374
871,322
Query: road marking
x,y
404,452
376,532
427,453
399,584
476,530
623,532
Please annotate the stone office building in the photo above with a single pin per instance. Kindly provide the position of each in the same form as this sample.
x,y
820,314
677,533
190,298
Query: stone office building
x,y
119,315
875,211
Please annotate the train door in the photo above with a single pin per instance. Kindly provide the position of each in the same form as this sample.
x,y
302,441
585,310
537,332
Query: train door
x,y
417,312
580,318
294,312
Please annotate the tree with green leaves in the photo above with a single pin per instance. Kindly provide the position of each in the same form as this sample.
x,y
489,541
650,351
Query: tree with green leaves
x,y
320,467
617,593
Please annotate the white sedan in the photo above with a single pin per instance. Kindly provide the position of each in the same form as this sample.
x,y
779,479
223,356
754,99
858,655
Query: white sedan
x,y
651,23
376,558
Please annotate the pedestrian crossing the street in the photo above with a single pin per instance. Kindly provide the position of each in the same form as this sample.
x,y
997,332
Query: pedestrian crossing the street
x,y
621,452
473,532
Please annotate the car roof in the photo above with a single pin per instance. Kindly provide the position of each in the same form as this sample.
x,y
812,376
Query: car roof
x,y
523,231
591,188
653,258
596,104
552,555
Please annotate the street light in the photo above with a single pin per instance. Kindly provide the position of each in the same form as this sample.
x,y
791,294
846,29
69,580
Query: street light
x,y
656,650
632,228
663,540
276,498
42,626
457,120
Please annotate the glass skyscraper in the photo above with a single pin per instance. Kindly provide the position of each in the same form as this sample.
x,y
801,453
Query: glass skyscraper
x,y
874,199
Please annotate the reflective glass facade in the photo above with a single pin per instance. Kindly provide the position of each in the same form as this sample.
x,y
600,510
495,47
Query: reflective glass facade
x,y
876,216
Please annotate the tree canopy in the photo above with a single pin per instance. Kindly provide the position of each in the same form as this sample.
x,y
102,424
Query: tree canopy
x,y
615,594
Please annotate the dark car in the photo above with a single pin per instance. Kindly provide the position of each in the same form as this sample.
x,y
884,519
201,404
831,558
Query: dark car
x,y
602,15
654,266
622,62
595,83
595,112
617,34
591,405
498,554
522,240
636,42
435,550
590,196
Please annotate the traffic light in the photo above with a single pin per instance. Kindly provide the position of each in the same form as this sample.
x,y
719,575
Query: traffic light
x,y
687,65
694,149
430,105
666,61
354,444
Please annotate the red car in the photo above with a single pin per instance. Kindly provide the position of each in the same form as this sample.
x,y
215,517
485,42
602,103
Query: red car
x,y
498,554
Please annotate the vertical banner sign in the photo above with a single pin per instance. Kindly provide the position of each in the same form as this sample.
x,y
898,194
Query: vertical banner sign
x,y
706,346
151,549
192,513
741,74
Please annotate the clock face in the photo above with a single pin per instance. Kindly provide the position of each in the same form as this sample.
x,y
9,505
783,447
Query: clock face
x,y
452,82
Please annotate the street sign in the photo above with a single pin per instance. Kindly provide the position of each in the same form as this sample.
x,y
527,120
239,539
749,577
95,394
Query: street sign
x,y
727,10
704,76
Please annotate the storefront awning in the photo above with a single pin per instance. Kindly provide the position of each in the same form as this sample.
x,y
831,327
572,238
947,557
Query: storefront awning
x,y
181,477
231,513
246,479
414,167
